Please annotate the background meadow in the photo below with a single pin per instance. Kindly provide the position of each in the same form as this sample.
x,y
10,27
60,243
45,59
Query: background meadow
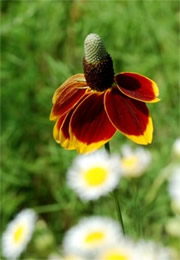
x,y
41,46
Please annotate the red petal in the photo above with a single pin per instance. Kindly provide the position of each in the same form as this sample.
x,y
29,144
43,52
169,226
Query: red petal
x,y
137,86
90,125
67,95
129,116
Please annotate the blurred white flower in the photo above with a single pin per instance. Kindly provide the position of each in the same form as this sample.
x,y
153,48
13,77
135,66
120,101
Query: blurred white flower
x,y
54,256
173,226
176,147
92,235
141,250
149,250
66,257
124,250
18,234
134,162
72,257
174,187
94,175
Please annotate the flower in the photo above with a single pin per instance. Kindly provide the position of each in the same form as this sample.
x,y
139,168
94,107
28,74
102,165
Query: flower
x,y
54,256
124,250
149,250
134,162
174,187
173,226
176,147
18,234
72,257
88,108
91,235
94,175
66,257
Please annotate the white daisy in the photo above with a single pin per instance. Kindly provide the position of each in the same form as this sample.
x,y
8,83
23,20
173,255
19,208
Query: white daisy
x,y
174,187
92,235
72,257
124,250
54,256
94,175
176,147
134,162
66,257
173,226
149,250
18,234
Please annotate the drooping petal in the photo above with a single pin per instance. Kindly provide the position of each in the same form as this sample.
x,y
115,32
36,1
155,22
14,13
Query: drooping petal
x,y
67,95
137,87
61,131
130,117
78,78
57,127
64,133
90,126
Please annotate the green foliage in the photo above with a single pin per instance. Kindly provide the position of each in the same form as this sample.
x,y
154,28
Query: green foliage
x,y
41,46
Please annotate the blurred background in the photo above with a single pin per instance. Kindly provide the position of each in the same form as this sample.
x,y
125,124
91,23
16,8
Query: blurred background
x,y
41,46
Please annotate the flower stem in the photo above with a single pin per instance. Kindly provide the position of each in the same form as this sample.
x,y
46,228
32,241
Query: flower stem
x,y
115,195
47,208
118,210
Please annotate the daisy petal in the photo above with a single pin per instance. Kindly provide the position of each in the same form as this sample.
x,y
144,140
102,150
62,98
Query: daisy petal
x,y
90,125
67,95
129,116
137,87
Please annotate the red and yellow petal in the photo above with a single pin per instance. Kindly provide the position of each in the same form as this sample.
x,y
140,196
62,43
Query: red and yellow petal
x,y
130,117
67,95
64,133
70,81
61,131
137,87
89,126
57,127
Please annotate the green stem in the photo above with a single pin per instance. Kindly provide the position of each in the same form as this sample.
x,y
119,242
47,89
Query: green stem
x,y
116,199
47,208
115,195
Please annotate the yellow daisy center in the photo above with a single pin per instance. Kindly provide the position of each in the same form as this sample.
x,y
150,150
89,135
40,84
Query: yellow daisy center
x,y
115,255
94,237
95,176
18,234
129,162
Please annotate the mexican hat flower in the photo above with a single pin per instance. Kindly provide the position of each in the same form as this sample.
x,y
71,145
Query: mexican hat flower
x,y
89,108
